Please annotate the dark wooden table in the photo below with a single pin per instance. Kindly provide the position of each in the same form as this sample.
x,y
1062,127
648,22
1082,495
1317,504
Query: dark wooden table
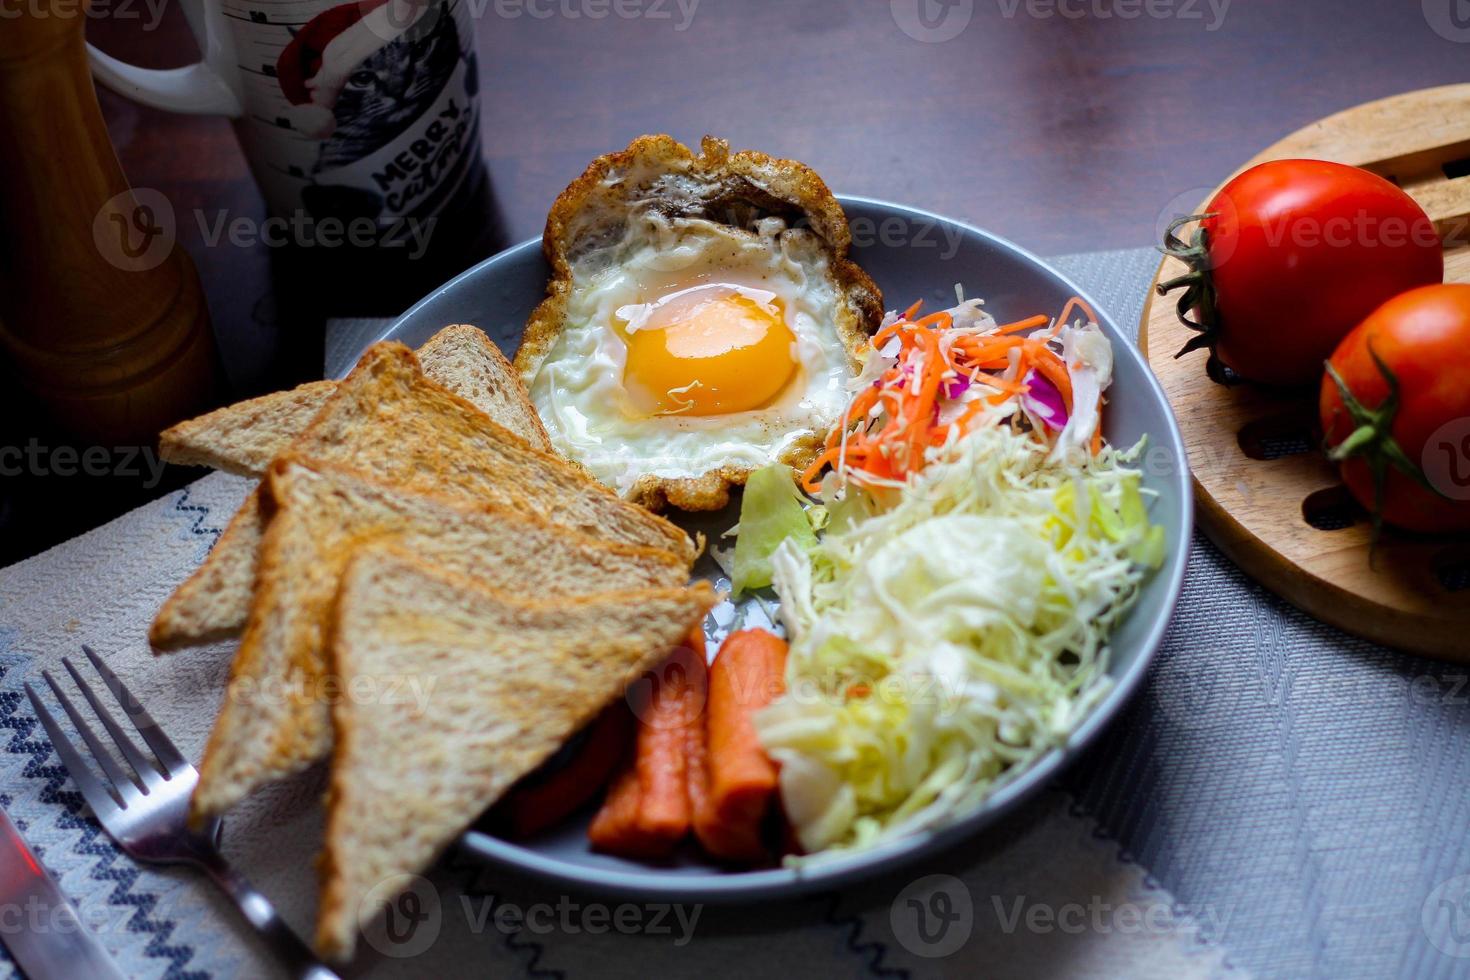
x,y
1065,125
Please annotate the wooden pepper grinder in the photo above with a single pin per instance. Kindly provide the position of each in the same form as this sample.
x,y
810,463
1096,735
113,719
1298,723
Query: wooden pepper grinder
x,y
102,318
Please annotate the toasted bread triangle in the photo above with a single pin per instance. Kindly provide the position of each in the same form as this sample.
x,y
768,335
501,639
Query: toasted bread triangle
x,y
389,419
244,437
501,684
274,722
421,436
461,358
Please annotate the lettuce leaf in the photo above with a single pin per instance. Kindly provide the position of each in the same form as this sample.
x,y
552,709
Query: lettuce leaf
x,y
770,513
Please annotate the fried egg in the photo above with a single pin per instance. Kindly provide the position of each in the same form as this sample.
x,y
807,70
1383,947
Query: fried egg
x,y
698,326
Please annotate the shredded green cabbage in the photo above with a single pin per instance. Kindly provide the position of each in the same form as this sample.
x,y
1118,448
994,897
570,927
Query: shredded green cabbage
x,y
947,632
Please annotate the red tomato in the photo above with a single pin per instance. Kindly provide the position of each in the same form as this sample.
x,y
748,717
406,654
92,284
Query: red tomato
x,y
1408,368
1294,255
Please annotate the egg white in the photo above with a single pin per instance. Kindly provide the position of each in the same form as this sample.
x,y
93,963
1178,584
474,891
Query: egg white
x,y
579,391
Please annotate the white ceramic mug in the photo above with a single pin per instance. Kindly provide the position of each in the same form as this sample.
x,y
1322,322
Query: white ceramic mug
x,y
364,108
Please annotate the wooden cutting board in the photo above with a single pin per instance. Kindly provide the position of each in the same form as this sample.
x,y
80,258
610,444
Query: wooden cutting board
x,y
1266,495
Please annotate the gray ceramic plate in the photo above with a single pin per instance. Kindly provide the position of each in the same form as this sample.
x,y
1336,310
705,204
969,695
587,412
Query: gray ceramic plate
x,y
911,254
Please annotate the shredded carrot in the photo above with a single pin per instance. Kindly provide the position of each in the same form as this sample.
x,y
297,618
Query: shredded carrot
x,y
1014,387
969,416
882,336
858,409
924,406
1051,367
811,479
988,349
1075,303
1031,322
941,320
889,428
1097,432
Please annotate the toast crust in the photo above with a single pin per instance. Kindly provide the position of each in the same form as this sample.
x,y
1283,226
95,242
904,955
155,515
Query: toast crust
x,y
716,185
211,604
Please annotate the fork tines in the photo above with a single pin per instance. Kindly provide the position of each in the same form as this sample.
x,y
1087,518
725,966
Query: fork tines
x,y
118,789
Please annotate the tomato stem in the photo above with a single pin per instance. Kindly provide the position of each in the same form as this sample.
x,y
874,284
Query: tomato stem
x,y
1373,438
1198,296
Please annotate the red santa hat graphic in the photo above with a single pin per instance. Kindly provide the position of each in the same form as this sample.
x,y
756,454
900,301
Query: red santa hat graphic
x,y
315,66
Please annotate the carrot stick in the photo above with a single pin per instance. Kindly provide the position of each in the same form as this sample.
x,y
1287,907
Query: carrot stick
x,y
964,420
999,383
663,807
539,802
742,780
923,404
647,810
615,827
696,743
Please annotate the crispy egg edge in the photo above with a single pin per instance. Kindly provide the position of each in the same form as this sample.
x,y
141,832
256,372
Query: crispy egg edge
x,y
590,211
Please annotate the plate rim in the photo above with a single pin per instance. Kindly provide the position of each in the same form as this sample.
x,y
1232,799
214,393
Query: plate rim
x,y
716,886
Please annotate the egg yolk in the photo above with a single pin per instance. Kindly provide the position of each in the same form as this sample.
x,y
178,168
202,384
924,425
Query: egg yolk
x,y
710,352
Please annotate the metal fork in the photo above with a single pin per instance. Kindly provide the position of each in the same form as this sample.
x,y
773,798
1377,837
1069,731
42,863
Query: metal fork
x,y
148,816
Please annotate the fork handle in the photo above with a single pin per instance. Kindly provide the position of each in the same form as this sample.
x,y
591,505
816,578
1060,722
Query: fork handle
x,y
257,909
